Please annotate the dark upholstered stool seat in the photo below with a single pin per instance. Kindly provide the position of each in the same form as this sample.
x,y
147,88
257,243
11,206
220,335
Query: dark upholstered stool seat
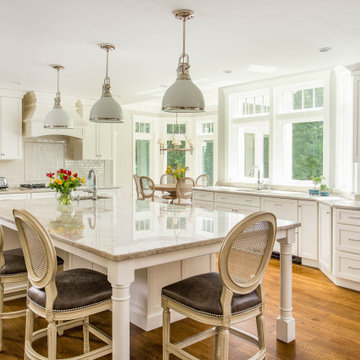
x,y
76,288
15,262
202,293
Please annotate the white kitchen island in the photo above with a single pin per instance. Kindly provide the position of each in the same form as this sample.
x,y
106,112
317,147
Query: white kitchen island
x,y
114,234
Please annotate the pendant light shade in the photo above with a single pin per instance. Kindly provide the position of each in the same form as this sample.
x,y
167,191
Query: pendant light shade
x,y
58,118
106,109
183,96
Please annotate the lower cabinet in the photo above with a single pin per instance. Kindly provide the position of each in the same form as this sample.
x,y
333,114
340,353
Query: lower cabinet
x,y
325,243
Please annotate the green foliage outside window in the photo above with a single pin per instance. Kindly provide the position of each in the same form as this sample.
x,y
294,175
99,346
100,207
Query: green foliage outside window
x,y
307,150
142,157
266,157
176,128
208,159
176,158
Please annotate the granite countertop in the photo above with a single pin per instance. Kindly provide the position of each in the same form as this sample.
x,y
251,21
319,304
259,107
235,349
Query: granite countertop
x,y
333,201
47,189
122,228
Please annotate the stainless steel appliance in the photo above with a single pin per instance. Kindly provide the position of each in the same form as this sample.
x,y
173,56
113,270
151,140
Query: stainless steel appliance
x,y
33,186
3,182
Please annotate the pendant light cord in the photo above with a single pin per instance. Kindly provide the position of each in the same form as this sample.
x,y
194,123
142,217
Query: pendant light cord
x,y
107,64
184,34
58,82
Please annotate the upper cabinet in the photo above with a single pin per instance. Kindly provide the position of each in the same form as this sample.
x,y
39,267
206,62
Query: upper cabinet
x,y
98,139
10,127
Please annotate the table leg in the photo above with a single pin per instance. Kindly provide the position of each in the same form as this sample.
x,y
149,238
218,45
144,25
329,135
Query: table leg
x,y
285,323
121,280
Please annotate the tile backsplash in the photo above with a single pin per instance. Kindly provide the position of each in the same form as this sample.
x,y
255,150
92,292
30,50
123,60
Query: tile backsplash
x,y
42,156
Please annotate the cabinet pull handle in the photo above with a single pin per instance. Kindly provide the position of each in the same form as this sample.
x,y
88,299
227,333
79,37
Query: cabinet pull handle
x,y
353,239
353,268
354,217
234,210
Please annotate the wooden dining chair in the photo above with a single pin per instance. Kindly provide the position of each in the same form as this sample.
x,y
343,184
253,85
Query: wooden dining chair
x,y
147,186
138,187
65,300
12,271
184,188
233,295
203,180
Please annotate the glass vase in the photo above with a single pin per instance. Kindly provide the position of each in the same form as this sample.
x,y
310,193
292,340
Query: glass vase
x,y
65,198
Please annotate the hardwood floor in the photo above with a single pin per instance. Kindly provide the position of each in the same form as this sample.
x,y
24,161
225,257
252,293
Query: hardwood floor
x,y
327,326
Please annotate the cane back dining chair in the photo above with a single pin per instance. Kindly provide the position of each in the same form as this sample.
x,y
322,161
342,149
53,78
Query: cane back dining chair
x,y
233,295
138,187
184,188
147,187
65,300
203,180
12,271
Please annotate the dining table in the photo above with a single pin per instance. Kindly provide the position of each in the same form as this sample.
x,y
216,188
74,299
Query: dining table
x,y
169,188
105,232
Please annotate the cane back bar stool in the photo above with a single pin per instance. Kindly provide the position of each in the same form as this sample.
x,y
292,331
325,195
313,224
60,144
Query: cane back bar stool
x,y
65,300
233,295
13,270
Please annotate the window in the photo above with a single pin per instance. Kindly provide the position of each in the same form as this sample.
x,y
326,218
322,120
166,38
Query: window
x,y
266,156
142,157
207,225
176,158
249,153
176,128
253,104
301,99
141,127
207,156
307,150
207,128
141,225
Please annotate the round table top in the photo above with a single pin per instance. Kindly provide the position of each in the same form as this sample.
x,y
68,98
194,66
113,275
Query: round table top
x,y
165,187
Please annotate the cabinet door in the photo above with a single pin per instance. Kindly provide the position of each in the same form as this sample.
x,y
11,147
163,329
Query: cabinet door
x,y
105,140
308,244
90,142
283,209
356,117
325,236
11,128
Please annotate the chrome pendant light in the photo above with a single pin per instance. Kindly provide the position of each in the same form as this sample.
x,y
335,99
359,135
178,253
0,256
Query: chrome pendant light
x,y
106,109
183,96
58,118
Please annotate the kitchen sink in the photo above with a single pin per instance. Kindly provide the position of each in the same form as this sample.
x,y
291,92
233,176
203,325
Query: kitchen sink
x,y
89,197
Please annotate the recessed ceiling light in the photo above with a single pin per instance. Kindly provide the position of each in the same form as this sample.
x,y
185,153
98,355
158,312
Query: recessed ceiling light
x,y
325,49
262,69
227,71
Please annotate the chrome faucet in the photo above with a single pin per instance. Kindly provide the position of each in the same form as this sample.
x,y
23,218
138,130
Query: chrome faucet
x,y
252,173
92,175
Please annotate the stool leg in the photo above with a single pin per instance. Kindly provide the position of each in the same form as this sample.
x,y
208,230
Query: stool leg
x,y
224,343
52,339
86,335
260,331
166,332
29,330
1,312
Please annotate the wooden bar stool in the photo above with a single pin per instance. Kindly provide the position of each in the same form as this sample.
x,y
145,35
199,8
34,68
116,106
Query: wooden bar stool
x,y
223,299
13,270
65,300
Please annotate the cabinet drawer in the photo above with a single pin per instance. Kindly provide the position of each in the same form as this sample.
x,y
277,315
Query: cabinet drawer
x,y
348,238
348,217
203,204
282,208
244,200
246,210
203,195
347,266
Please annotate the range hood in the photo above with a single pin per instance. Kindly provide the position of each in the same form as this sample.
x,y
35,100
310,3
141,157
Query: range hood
x,y
37,105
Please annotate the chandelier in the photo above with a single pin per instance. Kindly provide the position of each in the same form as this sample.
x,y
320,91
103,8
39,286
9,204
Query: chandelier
x,y
175,142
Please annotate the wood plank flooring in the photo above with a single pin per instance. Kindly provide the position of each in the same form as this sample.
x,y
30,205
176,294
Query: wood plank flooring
x,y
327,326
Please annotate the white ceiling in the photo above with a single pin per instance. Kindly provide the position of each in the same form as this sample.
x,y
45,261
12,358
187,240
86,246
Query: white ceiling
x,y
227,34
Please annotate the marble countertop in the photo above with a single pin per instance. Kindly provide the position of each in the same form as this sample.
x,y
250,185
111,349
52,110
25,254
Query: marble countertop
x,y
333,201
47,189
122,228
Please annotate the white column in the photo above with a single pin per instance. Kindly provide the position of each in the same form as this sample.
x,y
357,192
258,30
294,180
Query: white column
x,y
121,275
285,323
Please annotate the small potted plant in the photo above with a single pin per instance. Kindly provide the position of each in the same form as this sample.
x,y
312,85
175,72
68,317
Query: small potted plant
x,y
324,191
316,181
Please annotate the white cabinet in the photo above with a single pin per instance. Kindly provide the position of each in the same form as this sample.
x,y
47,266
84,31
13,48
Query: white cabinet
x,y
235,208
325,243
283,209
10,128
98,143
308,240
